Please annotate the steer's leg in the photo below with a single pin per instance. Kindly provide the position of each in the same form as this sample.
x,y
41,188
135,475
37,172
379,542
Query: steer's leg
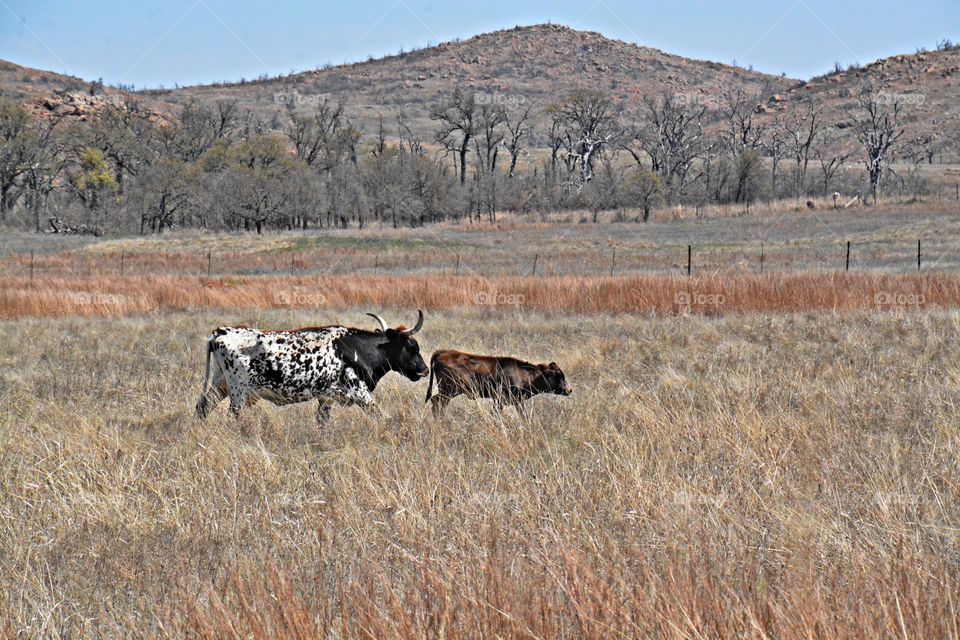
x,y
239,386
323,413
238,400
211,397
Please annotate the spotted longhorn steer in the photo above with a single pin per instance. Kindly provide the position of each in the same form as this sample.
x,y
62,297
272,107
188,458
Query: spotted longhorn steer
x,y
504,379
331,364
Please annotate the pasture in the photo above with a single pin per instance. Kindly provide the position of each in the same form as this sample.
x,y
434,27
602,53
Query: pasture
x,y
744,474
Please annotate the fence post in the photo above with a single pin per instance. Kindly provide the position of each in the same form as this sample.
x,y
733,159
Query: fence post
x,y
918,255
31,264
848,256
457,270
761,257
613,261
536,257
689,258
121,262
376,264
209,263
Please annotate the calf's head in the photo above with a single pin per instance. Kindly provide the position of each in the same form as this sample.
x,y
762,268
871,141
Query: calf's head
x,y
556,382
401,349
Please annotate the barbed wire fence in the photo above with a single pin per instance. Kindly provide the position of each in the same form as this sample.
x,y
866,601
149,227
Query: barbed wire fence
x,y
906,255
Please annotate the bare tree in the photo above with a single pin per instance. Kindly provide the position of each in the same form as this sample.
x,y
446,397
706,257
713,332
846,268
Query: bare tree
x,y
920,148
323,138
17,147
408,139
200,127
165,193
517,130
831,155
589,125
490,134
672,138
40,181
457,127
773,145
741,132
877,128
124,135
801,133
643,187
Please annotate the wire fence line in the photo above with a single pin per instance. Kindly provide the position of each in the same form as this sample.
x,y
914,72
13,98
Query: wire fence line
x,y
691,259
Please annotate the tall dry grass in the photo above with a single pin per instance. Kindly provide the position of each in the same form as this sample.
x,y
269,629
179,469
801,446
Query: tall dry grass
x,y
647,294
688,592
744,476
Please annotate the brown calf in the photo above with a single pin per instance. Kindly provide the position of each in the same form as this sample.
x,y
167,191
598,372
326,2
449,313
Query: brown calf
x,y
504,379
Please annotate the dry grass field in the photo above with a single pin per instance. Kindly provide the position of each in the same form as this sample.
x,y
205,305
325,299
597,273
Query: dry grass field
x,y
788,236
788,475
745,454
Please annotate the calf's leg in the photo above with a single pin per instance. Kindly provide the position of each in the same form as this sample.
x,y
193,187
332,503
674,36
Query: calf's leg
x,y
521,410
438,404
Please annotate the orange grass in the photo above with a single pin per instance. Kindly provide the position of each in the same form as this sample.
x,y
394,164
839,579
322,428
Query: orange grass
x,y
682,593
646,294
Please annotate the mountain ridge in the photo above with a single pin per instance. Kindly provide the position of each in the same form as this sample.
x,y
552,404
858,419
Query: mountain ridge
x,y
524,65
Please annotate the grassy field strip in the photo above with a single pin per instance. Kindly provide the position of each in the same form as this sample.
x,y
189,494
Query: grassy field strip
x,y
659,295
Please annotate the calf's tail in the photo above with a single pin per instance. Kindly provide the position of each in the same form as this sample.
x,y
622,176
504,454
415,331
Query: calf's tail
x,y
433,365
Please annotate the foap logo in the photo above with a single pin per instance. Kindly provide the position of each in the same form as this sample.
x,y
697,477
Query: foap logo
x,y
498,298
296,99
685,498
296,298
888,499
697,99
85,298
905,99
499,98
895,299
692,299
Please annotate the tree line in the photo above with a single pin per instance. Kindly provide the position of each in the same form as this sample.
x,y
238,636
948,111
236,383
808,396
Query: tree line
x,y
218,167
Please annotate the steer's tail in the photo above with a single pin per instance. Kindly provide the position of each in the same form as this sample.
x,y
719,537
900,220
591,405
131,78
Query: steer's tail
x,y
206,370
203,404
433,365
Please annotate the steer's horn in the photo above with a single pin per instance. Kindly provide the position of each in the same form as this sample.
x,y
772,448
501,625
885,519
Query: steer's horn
x,y
416,327
383,325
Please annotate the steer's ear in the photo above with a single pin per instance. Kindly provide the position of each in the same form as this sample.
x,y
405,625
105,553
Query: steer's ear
x,y
552,365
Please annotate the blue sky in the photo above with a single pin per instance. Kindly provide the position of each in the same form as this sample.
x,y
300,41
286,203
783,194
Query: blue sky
x,y
164,42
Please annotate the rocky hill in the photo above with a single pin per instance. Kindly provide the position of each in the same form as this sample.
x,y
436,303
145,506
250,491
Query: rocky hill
x,y
46,94
535,65
532,65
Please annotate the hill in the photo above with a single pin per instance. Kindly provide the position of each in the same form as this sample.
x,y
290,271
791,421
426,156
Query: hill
x,y
924,83
535,65
529,65
46,94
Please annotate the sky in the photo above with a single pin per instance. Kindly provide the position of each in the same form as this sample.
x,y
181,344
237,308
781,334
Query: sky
x,y
152,43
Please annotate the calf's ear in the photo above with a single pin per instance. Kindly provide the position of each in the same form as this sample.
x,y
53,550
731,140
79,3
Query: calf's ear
x,y
552,365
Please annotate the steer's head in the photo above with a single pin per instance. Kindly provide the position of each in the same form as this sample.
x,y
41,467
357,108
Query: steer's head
x,y
556,381
401,348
